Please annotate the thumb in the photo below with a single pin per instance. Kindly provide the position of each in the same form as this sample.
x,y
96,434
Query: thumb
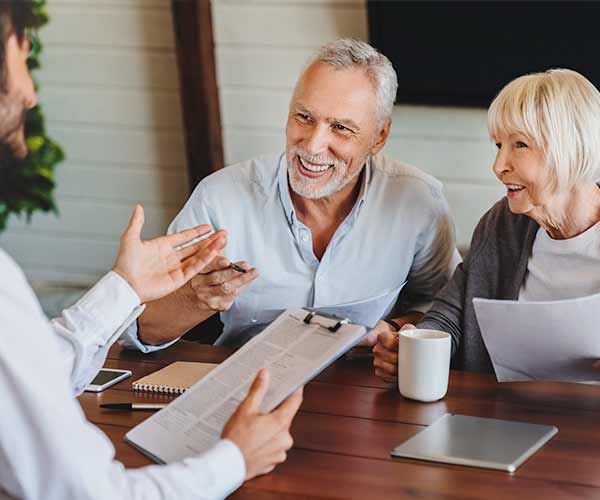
x,y
134,229
257,391
408,326
289,407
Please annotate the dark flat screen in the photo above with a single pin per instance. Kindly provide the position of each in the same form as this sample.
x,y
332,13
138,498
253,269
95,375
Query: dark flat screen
x,y
463,53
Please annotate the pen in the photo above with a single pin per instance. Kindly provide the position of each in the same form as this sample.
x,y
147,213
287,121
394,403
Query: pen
x,y
237,268
133,406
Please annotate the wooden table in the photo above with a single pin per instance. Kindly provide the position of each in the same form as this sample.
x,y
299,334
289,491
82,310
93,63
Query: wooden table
x,y
350,420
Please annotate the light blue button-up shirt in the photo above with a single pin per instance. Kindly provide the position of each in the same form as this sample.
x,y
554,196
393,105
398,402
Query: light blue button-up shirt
x,y
395,248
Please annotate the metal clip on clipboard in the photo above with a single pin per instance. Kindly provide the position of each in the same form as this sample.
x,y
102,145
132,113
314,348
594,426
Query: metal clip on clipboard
x,y
309,319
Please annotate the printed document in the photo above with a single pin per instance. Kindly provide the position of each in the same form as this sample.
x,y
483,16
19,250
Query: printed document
x,y
553,341
293,351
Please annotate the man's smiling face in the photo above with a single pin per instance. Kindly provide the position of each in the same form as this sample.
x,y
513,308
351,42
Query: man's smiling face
x,y
331,129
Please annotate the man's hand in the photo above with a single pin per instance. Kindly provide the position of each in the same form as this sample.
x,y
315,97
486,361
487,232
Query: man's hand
x,y
385,353
218,285
263,438
155,268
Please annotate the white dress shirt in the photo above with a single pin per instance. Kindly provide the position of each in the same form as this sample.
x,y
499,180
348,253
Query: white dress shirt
x,y
395,248
48,450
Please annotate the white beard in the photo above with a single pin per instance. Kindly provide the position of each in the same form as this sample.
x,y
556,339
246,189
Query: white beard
x,y
309,188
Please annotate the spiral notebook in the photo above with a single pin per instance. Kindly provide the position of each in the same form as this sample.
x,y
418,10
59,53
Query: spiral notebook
x,y
175,378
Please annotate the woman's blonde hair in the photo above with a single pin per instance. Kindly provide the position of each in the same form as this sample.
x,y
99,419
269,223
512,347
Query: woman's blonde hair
x,y
559,110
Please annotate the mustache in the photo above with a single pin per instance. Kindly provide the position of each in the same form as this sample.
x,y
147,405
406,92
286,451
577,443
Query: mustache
x,y
322,159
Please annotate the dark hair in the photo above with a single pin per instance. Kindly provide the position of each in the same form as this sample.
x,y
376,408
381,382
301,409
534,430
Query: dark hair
x,y
15,17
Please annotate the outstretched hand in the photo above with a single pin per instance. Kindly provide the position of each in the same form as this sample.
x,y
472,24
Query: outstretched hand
x,y
155,268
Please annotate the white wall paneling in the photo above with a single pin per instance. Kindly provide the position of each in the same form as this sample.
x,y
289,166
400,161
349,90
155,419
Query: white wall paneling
x,y
103,66
142,148
108,106
286,24
109,24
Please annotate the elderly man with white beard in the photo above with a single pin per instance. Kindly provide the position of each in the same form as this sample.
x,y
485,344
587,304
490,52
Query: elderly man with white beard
x,y
330,225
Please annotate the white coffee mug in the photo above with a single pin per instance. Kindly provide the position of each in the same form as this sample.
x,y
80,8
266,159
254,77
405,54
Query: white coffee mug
x,y
423,364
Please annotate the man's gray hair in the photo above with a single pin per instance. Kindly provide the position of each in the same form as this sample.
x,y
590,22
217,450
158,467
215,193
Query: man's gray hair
x,y
350,53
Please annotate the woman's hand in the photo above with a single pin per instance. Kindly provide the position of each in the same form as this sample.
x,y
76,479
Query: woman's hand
x,y
385,353
155,268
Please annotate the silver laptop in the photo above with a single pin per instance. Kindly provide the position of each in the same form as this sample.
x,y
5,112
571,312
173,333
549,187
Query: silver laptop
x,y
476,442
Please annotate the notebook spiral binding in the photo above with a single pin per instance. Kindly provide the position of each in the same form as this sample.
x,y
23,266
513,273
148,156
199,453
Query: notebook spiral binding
x,y
158,388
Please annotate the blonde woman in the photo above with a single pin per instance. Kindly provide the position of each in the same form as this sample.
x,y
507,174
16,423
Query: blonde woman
x,y
542,240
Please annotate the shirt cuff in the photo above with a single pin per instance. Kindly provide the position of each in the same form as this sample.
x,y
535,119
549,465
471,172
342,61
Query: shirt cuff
x,y
227,467
111,303
130,340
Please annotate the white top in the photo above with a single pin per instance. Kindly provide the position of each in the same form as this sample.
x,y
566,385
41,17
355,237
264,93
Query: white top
x,y
48,450
399,231
563,269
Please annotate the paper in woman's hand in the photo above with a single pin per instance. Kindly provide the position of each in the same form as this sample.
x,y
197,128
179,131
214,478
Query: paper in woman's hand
x,y
553,341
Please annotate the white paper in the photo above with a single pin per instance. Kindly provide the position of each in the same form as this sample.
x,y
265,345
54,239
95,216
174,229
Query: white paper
x,y
553,340
293,352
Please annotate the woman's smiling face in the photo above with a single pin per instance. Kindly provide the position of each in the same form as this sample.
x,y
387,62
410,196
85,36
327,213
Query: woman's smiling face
x,y
521,166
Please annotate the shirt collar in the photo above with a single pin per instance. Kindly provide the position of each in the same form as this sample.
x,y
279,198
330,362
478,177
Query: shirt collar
x,y
286,200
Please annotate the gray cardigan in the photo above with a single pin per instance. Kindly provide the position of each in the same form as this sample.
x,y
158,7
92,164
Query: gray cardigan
x,y
494,268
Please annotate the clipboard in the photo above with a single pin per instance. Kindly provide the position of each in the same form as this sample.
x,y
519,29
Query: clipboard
x,y
295,348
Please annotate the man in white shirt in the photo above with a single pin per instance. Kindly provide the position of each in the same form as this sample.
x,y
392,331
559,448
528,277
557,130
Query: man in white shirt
x,y
47,448
330,224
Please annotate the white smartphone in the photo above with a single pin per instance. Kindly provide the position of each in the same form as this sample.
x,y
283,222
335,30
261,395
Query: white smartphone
x,y
107,377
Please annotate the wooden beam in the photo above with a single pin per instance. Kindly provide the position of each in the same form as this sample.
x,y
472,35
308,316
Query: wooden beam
x,y
192,23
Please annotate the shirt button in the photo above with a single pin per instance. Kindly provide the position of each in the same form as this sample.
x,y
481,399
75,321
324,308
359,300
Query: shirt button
x,y
304,236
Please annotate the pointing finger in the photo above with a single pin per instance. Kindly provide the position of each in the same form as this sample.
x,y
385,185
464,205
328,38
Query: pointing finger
x,y
183,237
192,249
286,411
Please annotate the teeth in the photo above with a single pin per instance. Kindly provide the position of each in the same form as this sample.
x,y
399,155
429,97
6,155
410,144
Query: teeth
x,y
514,187
314,167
